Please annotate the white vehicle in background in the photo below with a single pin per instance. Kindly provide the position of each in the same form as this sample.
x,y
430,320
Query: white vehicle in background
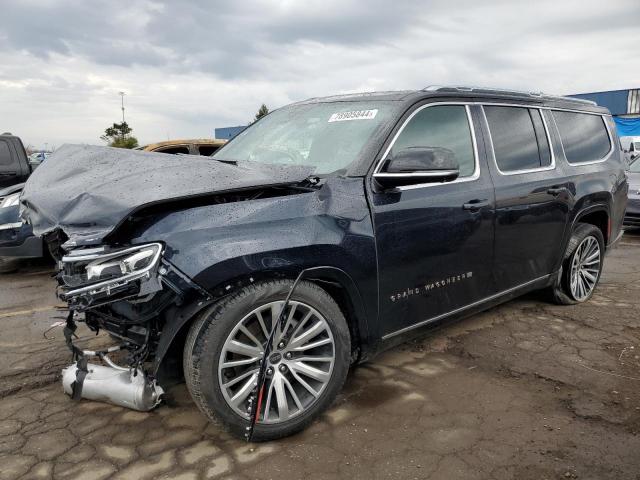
x,y
634,149
630,147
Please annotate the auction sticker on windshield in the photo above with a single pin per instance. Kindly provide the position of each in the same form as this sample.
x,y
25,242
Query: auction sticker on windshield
x,y
354,115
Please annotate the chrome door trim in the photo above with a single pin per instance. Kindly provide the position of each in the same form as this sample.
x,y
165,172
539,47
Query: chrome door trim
x,y
463,308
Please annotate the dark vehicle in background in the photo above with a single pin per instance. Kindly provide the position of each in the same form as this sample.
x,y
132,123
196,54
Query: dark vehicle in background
x,y
632,215
14,163
17,241
16,237
400,210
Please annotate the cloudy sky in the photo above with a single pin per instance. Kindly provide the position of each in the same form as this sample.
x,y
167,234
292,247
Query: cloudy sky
x,y
190,66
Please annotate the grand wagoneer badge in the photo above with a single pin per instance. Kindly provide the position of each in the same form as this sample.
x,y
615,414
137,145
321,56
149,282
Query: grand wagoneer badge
x,y
427,287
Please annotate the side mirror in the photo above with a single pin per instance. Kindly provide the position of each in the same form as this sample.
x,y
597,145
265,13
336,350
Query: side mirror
x,y
416,165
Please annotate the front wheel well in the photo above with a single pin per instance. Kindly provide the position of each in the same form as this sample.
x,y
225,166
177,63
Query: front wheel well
x,y
170,365
346,304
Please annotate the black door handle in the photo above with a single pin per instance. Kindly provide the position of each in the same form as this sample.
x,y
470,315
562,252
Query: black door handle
x,y
555,191
475,205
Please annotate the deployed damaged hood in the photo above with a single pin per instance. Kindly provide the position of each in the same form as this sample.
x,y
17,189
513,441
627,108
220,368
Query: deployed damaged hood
x,y
88,191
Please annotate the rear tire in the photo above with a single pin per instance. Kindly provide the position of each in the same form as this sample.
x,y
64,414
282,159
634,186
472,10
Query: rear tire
x,y
581,267
217,331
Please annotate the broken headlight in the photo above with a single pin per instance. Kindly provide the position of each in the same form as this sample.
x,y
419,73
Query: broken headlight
x,y
124,264
98,273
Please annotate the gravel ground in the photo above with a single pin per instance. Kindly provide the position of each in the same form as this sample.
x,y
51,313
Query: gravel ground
x,y
527,390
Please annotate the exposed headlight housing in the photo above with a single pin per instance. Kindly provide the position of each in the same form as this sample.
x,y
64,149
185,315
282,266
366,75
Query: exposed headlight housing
x,y
10,200
94,274
123,264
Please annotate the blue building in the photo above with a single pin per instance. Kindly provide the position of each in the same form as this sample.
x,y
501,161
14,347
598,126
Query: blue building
x,y
227,133
624,105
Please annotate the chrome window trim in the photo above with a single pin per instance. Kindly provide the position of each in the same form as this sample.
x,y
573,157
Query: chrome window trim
x,y
481,104
463,308
437,173
86,255
589,162
552,166
474,176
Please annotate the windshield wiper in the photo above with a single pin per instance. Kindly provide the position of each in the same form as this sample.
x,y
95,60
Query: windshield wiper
x,y
224,160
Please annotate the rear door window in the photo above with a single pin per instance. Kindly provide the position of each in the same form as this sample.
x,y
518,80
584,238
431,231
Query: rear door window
x,y
519,138
584,136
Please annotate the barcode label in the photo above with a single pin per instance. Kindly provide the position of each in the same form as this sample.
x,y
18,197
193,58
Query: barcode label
x,y
355,115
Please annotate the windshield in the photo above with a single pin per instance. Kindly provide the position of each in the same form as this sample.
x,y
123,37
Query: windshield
x,y
635,166
325,136
636,146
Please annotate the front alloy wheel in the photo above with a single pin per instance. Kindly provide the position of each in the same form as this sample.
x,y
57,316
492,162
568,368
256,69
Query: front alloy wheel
x,y
306,368
298,368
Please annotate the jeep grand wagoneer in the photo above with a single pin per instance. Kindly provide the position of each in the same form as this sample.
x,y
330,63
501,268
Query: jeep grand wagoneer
x,y
325,232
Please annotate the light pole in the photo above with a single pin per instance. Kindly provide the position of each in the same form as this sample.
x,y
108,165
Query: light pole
x,y
122,103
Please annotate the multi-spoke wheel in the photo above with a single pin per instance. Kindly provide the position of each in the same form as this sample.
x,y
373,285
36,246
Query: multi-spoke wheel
x,y
581,267
305,370
298,368
585,268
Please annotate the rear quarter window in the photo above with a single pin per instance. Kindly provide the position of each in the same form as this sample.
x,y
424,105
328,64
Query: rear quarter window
x,y
584,136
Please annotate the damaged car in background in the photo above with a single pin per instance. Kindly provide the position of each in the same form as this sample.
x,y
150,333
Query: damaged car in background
x,y
324,233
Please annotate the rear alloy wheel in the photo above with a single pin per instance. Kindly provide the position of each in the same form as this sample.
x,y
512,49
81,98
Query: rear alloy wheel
x,y
581,266
305,371
585,269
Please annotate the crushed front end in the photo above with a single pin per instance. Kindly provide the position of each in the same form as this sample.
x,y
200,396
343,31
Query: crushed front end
x,y
129,292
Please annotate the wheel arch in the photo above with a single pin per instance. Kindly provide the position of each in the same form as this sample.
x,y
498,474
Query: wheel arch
x,y
335,281
597,215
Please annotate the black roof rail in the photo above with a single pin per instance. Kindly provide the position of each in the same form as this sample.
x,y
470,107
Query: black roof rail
x,y
503,91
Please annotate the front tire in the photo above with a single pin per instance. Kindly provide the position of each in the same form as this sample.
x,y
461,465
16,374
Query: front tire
x,y
309,361
581,267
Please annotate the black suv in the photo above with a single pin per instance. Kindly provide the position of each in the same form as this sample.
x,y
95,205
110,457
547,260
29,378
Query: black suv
x,y
329,230
14,163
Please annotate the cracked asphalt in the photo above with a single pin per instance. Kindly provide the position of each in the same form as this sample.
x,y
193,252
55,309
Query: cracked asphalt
x,y
526,390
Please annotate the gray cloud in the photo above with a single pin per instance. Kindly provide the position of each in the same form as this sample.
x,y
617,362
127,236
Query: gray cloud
x,y
190,66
